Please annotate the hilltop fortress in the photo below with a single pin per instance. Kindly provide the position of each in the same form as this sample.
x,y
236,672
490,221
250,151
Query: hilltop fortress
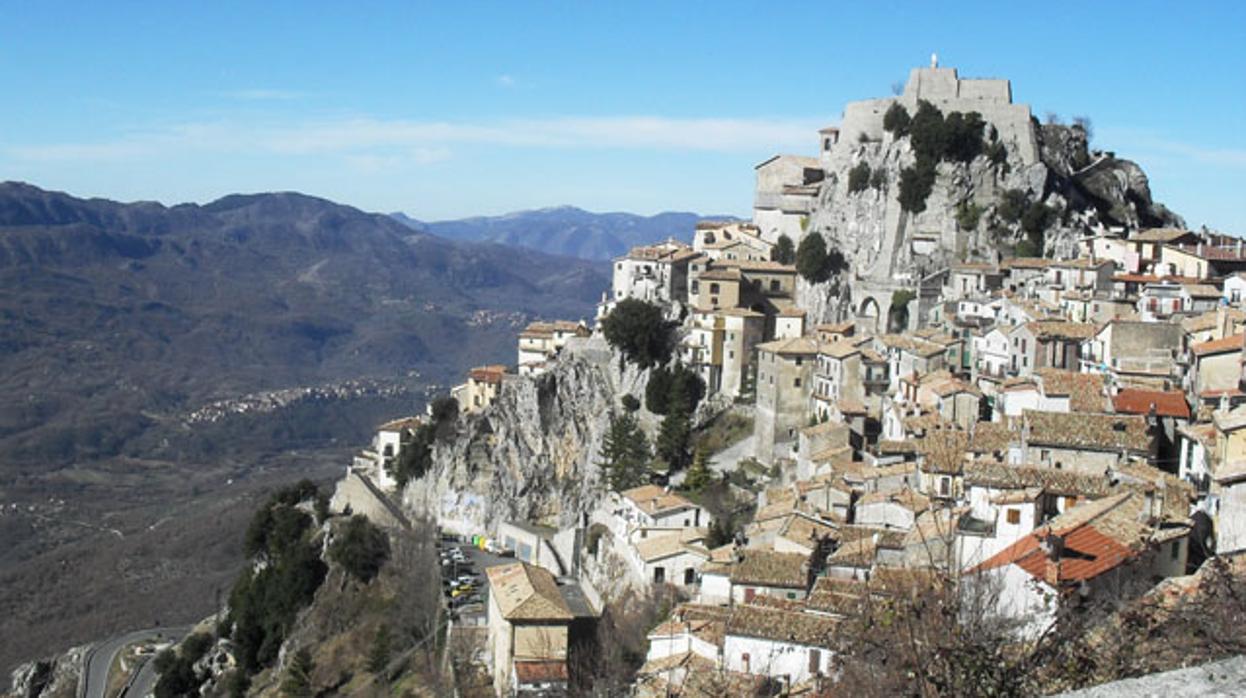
x,y
889,251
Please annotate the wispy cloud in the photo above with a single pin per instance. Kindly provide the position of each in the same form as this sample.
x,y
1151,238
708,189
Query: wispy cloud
x,y
1136,142
423,142
260,94
506,81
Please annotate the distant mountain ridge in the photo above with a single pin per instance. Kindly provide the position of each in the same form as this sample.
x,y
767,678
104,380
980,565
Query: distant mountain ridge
x,y
567,230
186,304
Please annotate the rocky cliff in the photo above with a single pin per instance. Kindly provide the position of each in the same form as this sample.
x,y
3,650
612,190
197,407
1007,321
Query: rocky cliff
x,y
975,210
532,455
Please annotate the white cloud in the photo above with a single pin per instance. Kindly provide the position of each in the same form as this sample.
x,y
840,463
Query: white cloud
x,y
423,142
507,81
1132,143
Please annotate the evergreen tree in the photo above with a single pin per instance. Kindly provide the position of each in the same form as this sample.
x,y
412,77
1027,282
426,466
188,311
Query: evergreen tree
x,y
784,251
624,454
676,429
811,259
378,655
298,678
699,475
639,330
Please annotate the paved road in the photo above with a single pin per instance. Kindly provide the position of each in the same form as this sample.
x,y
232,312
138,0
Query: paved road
x,y
101,657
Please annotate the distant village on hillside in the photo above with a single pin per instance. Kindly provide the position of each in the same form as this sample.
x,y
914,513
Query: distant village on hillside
x,y
1064,430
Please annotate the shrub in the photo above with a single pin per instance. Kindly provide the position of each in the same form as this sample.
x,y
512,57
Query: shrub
x,y
967,215
1037,218
811,258
784,252
1012,205
662,385
361,548
896,120
916,184
859,178
639,330
997,153
878,178
630,403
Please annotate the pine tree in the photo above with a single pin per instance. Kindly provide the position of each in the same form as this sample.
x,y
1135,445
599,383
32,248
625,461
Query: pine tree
x,y
784,251
378,655
676,429
624,454
298,678
699,475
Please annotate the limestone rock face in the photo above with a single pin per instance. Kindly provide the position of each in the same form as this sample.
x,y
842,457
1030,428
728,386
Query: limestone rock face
x,y
531,456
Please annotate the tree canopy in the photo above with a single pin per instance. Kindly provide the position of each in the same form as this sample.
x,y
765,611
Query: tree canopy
x,y
640,331
625,454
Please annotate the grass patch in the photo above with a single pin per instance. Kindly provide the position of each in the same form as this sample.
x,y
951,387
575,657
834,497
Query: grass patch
x,y
727,429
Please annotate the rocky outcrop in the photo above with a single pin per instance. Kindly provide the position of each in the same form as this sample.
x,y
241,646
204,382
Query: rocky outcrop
x,y
59,676
532,455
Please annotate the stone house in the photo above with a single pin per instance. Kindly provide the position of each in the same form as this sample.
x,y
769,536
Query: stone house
x,y
992,359
652,510
971,280
1047,344
1052,390
1024,275
759,572
716,288
528,625
1147,245
836,331
672,558
1201,260
908,354
1083,274
541,341
1168,407
1112,248
1133,353
738,240
1227,495
941,462
388,444
720,346
785,194
1234,291
1215,370
1084,442
838,377
894,510
481,388
1217,324
784,383
653,273
1104,550
691,628
778,643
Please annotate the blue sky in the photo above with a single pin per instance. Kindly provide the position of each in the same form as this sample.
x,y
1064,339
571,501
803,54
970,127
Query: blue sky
x,y
453,109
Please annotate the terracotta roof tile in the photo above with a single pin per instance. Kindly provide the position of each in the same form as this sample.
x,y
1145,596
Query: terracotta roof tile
x,y
784,626
771,569
1082,430
1168,403
1218,346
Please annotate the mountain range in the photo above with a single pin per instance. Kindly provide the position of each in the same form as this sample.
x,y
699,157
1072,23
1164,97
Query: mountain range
x,y
567,230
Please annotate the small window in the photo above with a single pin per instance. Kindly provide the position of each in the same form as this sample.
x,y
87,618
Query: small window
x,y
744,660
774,284
815,661
1176,549
714,288
791,595
1014,516
945,486
796,383
690,576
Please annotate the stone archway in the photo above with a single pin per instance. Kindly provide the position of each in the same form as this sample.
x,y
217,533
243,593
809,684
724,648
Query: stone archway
x,y
868,314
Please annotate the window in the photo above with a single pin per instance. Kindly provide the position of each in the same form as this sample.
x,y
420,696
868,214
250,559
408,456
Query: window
x,y
731,353
659,575
815,661
798,360
1069,503
749,594
714,288
945,486
696,286
744,660
774,284
1014,516
1176,549
796,383
690,576
791,595
1044,455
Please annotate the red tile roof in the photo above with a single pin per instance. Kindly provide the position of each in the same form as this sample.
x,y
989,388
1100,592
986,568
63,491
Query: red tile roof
x,y
1168,403
1218,346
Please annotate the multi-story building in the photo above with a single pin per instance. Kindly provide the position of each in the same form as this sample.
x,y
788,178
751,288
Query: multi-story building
x,y
720,345
653,273
784,383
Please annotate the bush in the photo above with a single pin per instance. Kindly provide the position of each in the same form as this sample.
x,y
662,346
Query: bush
x,y
639,330
361,548
967,215
1037,218
1012,205
811,259
878,178
859,178
662,385
896,120
630,403
997,153
916,184
784,252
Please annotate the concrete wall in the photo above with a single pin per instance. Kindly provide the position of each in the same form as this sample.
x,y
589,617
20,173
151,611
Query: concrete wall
x,y
781,403
772,658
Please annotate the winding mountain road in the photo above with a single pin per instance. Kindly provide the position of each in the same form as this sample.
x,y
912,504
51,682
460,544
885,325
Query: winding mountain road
x,y
101,657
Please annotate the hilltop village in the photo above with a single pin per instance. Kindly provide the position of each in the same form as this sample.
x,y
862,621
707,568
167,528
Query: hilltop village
x,y
1059,429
